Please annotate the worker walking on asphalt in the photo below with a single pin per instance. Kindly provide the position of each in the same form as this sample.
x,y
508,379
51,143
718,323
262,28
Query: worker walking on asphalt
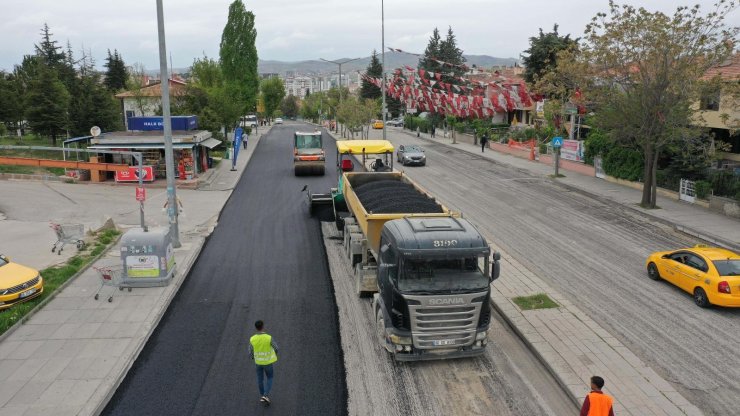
x,y
263,350
597,403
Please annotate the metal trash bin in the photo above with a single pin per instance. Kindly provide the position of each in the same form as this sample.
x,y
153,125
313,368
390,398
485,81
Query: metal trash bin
x,y
148,258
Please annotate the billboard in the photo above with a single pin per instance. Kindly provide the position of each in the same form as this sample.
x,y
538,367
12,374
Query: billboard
x,y
132,174
156,123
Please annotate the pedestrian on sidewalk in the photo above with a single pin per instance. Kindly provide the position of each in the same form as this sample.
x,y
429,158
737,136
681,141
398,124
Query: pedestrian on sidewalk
x,y
433,130
597,403
484,141
263,350
245,139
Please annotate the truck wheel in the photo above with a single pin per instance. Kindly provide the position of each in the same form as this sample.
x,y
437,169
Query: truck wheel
x,y
380,330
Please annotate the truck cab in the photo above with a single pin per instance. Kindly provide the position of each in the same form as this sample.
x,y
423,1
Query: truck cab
x,y
433,281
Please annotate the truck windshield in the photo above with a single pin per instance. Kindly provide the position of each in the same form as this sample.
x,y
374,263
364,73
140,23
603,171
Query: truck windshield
x,y
307,141
437,275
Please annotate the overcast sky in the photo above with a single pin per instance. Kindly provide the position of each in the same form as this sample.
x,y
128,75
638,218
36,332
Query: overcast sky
x,y
293,30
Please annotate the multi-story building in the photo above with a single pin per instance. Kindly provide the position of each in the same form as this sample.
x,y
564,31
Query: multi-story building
x,y
718,108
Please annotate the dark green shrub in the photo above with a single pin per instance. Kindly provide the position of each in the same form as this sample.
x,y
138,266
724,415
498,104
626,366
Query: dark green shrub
x,y
702,188
543,148
596,143
623,163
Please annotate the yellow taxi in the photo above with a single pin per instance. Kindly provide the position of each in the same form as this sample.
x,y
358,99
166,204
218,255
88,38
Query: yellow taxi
x,y
711,275
18,283
378,124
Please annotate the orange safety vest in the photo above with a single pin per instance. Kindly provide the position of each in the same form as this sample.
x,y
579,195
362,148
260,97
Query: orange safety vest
x,y
599,404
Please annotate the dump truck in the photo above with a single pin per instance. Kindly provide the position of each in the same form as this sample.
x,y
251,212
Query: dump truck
x,y
309,157
428,269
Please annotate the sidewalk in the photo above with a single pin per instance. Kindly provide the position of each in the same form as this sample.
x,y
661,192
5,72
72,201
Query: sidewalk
x,y
71,355
568,342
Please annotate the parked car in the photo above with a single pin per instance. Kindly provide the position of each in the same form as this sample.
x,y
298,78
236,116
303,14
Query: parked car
x,y
378,124
711,275
411,154
396,122
278,120
18,283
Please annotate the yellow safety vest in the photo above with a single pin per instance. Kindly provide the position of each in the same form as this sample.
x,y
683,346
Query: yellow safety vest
x,y
263,352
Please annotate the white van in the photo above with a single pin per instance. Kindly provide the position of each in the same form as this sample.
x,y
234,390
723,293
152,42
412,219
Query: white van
x,y
248,121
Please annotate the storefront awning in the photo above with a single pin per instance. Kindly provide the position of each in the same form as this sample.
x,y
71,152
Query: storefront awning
x,y
210,143
140,146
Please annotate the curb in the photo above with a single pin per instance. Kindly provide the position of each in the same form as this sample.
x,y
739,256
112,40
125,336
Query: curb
x,y
69,281
563,385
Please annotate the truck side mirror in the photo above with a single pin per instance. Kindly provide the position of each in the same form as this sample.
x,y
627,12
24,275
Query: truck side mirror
x,y
496,266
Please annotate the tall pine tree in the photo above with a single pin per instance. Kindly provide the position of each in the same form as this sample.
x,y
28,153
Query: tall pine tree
x,y
374,69
432,51
48,102
116,74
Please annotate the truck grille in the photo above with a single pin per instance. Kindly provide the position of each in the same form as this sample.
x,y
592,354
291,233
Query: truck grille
x,y
444,322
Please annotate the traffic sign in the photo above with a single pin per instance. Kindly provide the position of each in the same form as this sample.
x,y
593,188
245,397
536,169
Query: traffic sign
x,y
140,194
557,142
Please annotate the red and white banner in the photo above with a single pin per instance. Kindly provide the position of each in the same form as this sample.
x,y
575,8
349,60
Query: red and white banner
x,y
132,174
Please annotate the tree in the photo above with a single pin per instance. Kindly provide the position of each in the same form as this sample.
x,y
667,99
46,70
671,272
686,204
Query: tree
x,y
374,70
451,54
136,83
353,113
91,104
11,102
428,61
290,106
238,55
541,57
49,51
273,92
48,101
215,99
643,70
116,74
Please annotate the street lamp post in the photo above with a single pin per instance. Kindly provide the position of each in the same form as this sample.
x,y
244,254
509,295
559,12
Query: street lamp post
x,y
382,54
340,79
172,206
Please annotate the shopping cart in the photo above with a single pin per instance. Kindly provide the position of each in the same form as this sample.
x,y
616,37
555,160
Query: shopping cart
x,y
110,276
68,234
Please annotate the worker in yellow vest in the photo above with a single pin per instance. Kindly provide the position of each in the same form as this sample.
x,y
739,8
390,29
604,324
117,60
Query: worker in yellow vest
x,y
597,403
263,350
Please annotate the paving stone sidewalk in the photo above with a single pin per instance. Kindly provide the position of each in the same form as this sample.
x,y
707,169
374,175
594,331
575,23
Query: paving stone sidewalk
x,y
70,356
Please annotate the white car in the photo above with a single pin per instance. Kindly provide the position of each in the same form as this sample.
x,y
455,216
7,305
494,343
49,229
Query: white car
x,y
278,120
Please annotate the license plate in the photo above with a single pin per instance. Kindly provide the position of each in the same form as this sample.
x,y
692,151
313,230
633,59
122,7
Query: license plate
x,y
27,293
444,342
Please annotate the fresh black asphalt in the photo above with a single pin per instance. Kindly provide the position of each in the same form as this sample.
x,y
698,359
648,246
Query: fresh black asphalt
x,y
265,260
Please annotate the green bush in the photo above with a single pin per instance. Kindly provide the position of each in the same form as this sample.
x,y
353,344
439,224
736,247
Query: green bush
x,y
725,183
543,148
623,163
596,143
703,189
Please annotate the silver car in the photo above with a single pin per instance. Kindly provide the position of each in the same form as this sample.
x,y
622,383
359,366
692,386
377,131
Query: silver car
x,y
411,154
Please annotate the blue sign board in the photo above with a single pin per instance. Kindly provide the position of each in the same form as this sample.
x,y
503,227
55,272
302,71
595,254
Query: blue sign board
x,y
557,142
156,123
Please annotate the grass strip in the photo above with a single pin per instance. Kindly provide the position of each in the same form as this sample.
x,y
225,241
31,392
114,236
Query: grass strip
x,y
538,301
56,276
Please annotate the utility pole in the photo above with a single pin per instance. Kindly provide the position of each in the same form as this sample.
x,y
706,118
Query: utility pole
x,y
340,79
172,205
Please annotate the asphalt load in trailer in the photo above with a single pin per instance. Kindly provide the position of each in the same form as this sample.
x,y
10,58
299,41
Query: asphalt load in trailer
x,y
388,196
